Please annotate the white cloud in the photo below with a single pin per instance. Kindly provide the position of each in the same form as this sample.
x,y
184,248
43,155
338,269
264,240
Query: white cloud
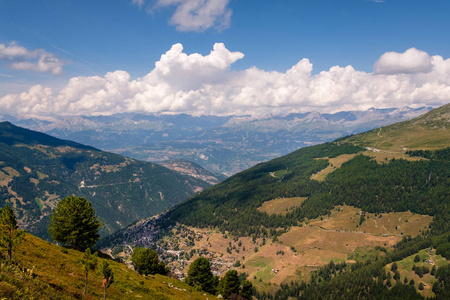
x,y
194,15
20,58
410,61
205,84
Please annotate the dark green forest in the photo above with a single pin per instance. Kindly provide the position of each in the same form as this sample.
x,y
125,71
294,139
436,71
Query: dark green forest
x,y
396,185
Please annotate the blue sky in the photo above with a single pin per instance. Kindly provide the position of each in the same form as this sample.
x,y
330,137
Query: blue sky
x,y
46,43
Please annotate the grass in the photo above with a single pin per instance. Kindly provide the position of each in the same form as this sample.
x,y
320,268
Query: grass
x,y
335,163
38,201
385,156
427,132
58,275
346,218
405,269
281,206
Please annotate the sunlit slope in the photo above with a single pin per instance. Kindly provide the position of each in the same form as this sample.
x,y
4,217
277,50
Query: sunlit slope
x,y
376,181
427,132
47,271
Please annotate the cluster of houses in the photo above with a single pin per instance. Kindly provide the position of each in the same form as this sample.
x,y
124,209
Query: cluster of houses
x,y
219,265
178,260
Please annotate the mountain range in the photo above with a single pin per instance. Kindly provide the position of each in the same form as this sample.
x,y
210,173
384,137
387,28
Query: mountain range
x,y
38,170
366,214
325,221
223,145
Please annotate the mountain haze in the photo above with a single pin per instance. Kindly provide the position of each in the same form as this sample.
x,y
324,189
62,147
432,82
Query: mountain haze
x,y
37,170
226,144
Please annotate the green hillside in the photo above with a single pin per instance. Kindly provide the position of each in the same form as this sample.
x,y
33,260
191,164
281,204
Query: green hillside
x,y
36,171
427,132
399,170
46,271
375,180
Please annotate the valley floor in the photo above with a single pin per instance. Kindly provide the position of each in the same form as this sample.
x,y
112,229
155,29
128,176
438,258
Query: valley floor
x,y
268,263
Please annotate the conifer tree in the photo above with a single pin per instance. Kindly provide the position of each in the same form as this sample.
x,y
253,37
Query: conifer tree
x,y
73,222
200,275
10,235
108,276
146,262
88,263
230,284
246,290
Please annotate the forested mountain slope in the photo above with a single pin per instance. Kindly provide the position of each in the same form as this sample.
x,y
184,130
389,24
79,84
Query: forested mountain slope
x,y
375,180
326,221
36,171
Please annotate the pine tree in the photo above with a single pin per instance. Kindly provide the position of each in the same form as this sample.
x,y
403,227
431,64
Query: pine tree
x,y
73,222
88,263
230,284
200,275
10,235
246,290
146,262
108,276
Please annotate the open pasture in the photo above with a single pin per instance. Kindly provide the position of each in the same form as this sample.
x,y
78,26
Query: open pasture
x,y
281,205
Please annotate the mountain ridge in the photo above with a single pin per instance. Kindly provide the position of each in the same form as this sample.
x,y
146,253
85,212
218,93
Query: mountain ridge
x,y
37,170
279,212
225,145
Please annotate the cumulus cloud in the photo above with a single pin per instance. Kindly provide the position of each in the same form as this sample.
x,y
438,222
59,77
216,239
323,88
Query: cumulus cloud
x,y
19,58
410,61
206,85
195,15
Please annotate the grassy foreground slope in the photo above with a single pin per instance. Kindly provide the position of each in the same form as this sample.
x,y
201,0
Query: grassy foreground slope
x,y
47,271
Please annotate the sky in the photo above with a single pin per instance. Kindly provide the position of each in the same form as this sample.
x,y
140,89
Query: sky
x,y
221,57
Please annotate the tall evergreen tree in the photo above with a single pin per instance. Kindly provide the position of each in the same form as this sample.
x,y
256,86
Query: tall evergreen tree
x,y
10,235
246,290
200,275
73,222
230,284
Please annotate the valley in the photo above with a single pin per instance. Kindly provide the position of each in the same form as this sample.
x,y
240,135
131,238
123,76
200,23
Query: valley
x,y
324,217
37,171
269,262
350,204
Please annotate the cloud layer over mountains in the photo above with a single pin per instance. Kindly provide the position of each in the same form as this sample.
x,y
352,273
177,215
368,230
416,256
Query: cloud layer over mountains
x,y
206,84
